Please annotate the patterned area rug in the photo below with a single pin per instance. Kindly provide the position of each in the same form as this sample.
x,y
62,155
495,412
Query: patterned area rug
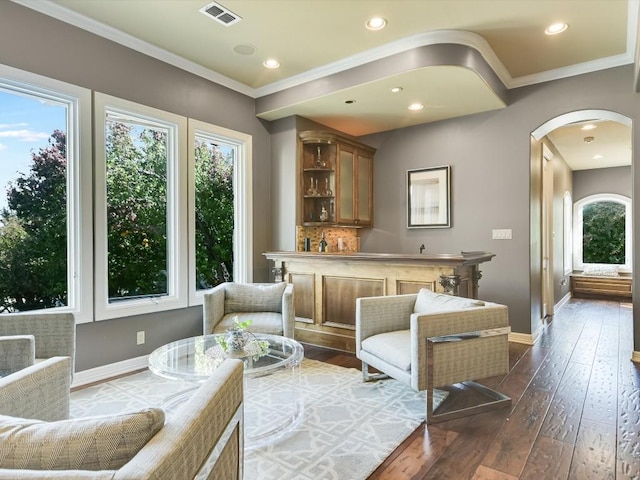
x,y
345,428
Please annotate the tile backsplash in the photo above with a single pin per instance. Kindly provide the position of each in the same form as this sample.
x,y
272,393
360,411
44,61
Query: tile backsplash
x,y
349,236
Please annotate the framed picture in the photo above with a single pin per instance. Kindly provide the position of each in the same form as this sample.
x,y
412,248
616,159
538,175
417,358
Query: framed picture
x,y
429,197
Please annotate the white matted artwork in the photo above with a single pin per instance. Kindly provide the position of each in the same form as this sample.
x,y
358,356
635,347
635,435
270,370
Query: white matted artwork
x,y
429,197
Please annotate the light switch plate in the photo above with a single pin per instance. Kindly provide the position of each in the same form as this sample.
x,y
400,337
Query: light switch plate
x,y
501,234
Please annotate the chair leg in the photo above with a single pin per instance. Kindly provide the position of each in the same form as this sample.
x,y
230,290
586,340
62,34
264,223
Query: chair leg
x,y
495,400
371,377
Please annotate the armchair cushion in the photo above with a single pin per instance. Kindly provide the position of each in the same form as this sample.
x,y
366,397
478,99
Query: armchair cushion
x,y
261,322
93,443
241,297
391,347
429,302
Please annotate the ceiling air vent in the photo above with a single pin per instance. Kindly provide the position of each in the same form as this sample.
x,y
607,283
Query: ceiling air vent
x,y
220,14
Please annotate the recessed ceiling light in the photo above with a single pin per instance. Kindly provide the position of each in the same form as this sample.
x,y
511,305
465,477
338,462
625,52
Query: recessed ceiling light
x,y
588,139
597,157
588,126
556,28
396,89
349,102
376,23
416,106
271,63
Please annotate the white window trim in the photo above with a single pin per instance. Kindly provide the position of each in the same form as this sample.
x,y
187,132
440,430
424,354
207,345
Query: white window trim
x,y
577,228
176,214
79,182
242,204
568,233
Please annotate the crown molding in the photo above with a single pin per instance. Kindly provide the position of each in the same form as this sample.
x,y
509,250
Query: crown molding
x,y
460,37
58,12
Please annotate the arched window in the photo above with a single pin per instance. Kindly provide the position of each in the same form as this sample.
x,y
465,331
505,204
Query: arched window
x,y
602,231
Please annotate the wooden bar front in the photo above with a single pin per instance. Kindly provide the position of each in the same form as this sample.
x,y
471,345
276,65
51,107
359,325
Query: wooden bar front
x,y
326,285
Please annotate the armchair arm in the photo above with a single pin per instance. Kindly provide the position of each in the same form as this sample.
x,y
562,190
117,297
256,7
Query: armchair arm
x,y
55,333
376,315
477,355
288,312
211,418
16,352
40,391
212,308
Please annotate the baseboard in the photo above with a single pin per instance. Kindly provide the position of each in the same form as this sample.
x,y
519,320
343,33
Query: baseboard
x,y
526,338
635,357
563,301
104,372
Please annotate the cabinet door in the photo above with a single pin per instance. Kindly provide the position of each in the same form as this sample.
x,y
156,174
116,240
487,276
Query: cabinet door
x,y
345,206
364,190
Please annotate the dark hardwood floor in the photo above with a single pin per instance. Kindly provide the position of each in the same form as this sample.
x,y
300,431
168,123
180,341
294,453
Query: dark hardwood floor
x,y
575,412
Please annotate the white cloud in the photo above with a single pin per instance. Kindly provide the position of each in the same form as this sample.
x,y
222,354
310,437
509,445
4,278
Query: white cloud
x,y
24,135
12,125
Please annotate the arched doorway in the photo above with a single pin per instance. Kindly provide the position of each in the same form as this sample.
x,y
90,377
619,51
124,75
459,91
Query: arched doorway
x,y
546,221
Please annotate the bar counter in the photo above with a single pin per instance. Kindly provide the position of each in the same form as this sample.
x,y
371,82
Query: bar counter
x,y
326,285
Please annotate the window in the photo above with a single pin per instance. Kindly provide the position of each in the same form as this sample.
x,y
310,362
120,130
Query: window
x,y
150,253
602,231
45,195
140,209
219,207
567,227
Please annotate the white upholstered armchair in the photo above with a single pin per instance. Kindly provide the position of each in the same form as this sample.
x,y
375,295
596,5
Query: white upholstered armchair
x,y
431,340
26,338
203,438
269,306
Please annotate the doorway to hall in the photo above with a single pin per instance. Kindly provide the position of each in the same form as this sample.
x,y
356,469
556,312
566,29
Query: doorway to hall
x,y
576,157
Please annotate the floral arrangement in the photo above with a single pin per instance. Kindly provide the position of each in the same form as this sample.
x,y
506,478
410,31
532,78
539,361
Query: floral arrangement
x,y
238,339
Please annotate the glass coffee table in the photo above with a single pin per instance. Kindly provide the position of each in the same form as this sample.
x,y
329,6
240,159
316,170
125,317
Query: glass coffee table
x,y
273,404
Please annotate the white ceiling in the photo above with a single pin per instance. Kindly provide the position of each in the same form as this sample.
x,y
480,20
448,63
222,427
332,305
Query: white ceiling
x,y
316,41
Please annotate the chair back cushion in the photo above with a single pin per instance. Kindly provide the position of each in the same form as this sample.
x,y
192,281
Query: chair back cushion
x,y
428,302
245,297
92,443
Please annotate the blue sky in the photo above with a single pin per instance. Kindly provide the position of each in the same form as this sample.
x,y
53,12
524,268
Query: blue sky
x,y
26,123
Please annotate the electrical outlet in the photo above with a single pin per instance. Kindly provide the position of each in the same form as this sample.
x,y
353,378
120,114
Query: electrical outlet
x,y
501,234
140,338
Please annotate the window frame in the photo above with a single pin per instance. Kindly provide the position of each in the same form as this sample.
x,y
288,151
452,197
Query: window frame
x,y
177,246
242,202
79,182
578,231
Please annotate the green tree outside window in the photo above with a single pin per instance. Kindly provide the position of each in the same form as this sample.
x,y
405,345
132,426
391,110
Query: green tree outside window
x,y
603,233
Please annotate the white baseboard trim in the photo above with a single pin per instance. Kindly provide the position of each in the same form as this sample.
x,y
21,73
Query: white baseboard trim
x,y
526,338
635,357
563,301
99,374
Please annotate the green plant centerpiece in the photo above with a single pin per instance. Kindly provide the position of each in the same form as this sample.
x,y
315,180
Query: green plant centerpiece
x,y
240,342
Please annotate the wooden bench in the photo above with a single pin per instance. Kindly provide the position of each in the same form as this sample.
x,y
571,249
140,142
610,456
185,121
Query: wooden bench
x,y
598,287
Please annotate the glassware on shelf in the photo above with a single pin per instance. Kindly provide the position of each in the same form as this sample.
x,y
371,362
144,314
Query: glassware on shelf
x,y
313,187
320,163
327,191
324,215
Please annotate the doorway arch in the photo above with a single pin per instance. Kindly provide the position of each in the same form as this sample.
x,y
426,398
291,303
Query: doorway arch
x,y
536,203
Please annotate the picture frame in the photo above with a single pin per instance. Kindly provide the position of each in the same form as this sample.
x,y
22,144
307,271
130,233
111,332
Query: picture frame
x,y
429,197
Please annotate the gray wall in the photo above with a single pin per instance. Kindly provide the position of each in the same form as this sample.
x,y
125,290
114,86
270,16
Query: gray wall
x,y
602,180
57,50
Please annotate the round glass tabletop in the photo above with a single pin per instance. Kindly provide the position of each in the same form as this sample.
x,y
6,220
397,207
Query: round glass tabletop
x,y
194,358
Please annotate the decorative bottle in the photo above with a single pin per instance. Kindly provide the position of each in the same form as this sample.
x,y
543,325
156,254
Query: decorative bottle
x,y
323,244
